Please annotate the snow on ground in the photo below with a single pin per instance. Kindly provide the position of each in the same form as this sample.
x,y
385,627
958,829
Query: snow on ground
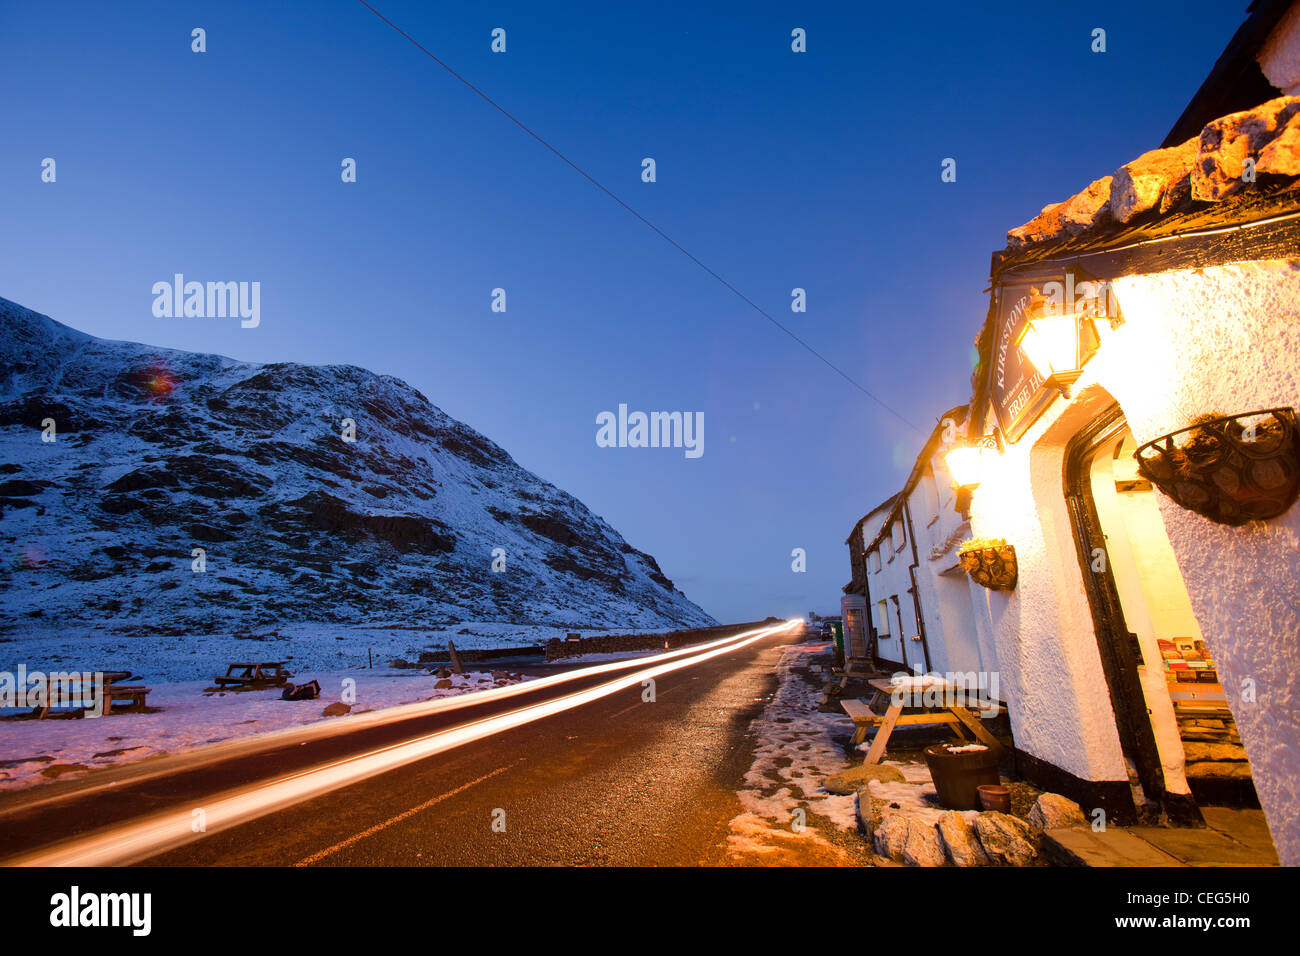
x,y
795,751
306,647
37,751
916,795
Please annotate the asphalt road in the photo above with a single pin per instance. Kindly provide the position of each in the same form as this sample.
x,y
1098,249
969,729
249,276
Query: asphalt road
x,y
615,781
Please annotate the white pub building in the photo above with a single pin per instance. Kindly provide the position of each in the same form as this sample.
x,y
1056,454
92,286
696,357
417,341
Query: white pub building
x,y
1128,464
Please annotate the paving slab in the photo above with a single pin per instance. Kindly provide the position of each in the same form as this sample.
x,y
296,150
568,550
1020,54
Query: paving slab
x,y
1204,847
1245,826
1114,846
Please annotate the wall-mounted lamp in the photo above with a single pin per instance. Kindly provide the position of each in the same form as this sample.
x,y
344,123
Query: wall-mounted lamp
x,y
1063,336
1054,344
967,462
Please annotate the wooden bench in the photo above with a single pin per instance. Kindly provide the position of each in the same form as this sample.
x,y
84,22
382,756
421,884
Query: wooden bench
x,y
134,694
845,676
854,668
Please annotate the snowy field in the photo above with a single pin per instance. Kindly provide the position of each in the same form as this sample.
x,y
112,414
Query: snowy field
x,y
38,751
306,647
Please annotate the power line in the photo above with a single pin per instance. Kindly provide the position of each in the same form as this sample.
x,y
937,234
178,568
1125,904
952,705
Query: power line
x,y
663,235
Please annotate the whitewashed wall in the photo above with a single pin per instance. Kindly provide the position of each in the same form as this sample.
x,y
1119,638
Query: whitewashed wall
x,y
1224,339
1047,653
893,580
952,632
1232,339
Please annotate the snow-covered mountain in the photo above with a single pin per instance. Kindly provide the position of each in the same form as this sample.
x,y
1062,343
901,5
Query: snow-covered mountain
x,y
160,452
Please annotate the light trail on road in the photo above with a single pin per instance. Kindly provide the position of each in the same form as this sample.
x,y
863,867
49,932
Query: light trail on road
x,y
226,750
170,829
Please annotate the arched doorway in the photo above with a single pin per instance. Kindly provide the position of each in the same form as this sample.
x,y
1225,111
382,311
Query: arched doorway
x,y
1174,726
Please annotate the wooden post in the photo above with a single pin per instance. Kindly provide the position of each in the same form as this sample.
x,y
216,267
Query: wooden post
x,y
370,657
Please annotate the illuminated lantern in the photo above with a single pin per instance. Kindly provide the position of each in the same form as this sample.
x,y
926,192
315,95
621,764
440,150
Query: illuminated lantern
x,y
1051,342
966,462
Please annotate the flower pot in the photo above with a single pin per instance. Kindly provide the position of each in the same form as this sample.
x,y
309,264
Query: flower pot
x,y
1233,469
994,568
994,797
958,776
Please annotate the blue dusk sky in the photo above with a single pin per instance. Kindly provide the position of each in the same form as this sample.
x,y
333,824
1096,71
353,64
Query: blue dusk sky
x,y
818,170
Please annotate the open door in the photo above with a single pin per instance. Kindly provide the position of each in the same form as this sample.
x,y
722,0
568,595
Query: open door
x,y
1175,728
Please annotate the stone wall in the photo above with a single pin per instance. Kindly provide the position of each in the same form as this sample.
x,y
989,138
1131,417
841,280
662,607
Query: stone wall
x,y
559,648
1213,746
473,655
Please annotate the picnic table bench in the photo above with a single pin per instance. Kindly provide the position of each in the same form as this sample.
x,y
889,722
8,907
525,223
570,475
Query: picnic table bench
x,y
885,712
133,694
254,674
110,691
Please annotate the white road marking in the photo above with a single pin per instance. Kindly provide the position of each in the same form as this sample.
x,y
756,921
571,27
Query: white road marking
x,y
371,831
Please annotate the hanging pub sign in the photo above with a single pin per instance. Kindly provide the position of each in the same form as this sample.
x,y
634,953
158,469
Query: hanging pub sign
x,y
1016,388
1027,372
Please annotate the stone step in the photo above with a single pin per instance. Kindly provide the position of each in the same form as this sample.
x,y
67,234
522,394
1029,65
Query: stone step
x,y
1156,846
1114,846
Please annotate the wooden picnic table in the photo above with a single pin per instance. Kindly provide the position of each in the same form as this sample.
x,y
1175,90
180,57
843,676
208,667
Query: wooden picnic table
x,y
111,690
254,674
885,712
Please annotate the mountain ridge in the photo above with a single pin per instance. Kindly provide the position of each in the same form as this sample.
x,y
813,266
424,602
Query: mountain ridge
x,y
159,452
